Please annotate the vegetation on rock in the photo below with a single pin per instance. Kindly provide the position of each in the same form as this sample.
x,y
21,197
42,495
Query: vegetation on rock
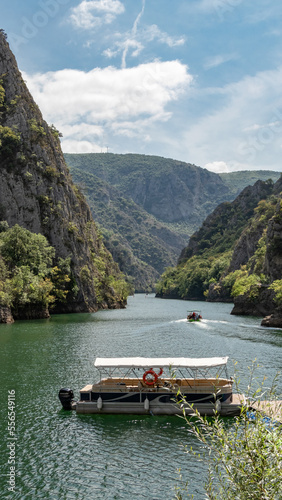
x,y
235,256
38,194
208,268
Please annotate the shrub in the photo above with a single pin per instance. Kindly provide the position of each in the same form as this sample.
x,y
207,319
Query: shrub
x,y
36,129
277,287
243,455
51,172
247,285
10,140
55,132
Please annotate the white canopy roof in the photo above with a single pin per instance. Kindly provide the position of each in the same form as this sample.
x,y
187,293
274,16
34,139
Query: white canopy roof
x,y
159,362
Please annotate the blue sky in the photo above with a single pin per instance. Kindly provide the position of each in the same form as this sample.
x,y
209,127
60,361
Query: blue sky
x,y
194,80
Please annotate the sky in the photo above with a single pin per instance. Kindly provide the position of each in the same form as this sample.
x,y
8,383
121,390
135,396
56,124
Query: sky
x,y
194,80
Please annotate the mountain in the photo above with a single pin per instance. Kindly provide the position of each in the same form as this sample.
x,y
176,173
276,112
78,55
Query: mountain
x,y
38,194
142,245
148,206
235,256
237,181
172,191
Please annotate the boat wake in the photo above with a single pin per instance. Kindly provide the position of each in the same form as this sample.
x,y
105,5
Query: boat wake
x,y
215,321
259,327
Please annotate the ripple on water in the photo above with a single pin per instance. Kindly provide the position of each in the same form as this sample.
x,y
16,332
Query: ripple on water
x,y
61,455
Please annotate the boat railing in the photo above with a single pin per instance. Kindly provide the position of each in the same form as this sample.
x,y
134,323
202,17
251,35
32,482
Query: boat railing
x,y
162,383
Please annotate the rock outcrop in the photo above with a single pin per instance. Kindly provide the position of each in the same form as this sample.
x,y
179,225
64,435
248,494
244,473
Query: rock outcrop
x,y
37,192
273,320
265,304
6,315
262,305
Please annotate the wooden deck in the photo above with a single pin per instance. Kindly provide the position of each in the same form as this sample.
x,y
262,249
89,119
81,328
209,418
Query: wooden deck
x,y
272,409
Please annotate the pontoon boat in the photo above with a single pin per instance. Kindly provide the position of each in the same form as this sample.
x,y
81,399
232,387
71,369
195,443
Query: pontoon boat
x,y
160,386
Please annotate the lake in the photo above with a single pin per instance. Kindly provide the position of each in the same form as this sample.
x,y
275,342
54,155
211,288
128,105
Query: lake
x,y
62,455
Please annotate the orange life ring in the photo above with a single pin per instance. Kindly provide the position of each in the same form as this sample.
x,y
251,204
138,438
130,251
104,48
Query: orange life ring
x,y
160,372
150,381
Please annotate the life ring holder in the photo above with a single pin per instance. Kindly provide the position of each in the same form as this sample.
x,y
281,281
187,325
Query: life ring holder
x,y
154,375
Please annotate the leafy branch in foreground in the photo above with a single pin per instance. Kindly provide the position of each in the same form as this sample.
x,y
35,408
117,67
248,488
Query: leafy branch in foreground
x,y
243,454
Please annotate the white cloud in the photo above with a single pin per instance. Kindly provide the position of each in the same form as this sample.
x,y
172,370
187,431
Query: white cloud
x,y
84,105
133,44
90,14
245,129
153,32
147,109
134,41
75,146
217,167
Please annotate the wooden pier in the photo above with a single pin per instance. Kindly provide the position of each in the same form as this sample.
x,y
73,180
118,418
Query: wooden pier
x,y
271,409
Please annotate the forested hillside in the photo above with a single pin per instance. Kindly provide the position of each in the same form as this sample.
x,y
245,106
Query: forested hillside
x,y
149,206
37,194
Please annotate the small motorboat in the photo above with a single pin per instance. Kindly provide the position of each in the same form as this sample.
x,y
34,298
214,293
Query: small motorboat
x,y
194,316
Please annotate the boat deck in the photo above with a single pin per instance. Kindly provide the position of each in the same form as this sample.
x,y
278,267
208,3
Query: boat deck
x,y
135,384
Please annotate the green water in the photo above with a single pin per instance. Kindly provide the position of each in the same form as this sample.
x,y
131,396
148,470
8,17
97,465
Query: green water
x,y
61,455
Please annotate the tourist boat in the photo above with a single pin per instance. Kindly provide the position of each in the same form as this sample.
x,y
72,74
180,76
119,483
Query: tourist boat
x,y
194,316
157,386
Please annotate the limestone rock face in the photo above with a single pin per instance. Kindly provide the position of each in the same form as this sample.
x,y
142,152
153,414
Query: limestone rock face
x,y
263,305
178,194
233,215
37,192
273,258
6,315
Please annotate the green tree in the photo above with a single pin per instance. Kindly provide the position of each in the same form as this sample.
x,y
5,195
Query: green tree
x,y
247,285
62,283
30,289
19,247
27,279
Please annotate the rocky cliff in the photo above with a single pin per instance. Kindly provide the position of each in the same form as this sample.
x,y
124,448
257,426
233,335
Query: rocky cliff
x,y
260,247
171,190
236,255
37,192
227,222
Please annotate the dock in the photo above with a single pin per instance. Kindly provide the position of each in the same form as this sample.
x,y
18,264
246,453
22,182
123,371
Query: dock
x,y
271,409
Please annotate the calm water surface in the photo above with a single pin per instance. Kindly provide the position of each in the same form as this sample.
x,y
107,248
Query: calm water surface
x,y
61,455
